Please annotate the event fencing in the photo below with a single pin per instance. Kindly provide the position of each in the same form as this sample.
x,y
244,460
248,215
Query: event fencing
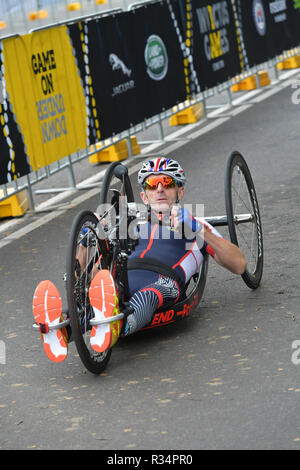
x,y
108,76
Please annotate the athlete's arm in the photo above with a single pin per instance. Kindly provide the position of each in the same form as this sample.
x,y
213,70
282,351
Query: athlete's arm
x,y
225,253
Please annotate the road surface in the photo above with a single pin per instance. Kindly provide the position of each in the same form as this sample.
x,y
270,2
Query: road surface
x,y
225,378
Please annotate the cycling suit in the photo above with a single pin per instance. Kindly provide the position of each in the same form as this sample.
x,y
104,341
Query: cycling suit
x,y
150,290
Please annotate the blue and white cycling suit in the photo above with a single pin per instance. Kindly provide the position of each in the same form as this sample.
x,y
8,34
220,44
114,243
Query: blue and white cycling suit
x,y
150,290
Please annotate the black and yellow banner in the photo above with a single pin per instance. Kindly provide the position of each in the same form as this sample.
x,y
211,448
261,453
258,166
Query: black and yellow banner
x,y
131,65
209,29
159,60
268,27
71,86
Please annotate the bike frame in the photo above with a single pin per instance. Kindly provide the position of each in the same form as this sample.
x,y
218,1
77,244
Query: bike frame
x,y
183,308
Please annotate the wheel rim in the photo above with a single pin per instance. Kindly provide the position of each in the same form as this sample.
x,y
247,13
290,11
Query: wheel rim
x,y
80,275
248,236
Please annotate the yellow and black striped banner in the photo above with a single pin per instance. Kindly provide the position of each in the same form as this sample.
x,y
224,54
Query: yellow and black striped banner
x,y
45,95
68,87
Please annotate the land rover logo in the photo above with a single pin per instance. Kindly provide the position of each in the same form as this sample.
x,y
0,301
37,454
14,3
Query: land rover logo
x,y
156,58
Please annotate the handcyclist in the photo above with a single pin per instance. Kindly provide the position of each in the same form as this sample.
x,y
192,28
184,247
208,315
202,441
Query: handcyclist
x,y
159,267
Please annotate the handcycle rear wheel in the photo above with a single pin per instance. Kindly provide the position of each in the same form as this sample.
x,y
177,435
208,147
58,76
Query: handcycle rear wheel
x,y
86,253
243,217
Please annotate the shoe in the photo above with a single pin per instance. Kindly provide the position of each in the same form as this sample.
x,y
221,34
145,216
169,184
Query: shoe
x,y
47,312
105,303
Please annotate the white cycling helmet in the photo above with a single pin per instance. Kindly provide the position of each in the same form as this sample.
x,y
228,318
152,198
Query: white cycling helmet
x,y
163,165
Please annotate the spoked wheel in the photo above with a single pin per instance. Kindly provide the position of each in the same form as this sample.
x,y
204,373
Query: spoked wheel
x,y
243,217
116,193
117,205
116,178
197,282
87,252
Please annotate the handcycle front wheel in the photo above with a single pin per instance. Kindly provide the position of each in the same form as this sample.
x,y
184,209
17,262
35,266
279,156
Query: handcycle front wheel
x,y
243,217
115,196
87,251
116,171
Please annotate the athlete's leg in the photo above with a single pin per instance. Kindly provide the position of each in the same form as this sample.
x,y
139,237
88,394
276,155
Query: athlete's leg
x,y
103,298
147,300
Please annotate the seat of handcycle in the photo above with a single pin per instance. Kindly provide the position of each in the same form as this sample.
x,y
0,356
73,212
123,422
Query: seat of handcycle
x,y
151,264
154,265
188,300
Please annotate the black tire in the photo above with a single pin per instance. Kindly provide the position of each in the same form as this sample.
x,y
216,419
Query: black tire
x,y
240,198
198,281
116,183
116,169
78,281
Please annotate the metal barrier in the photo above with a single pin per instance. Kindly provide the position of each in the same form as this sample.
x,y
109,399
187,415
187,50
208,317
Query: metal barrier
x,y
28,182
20,15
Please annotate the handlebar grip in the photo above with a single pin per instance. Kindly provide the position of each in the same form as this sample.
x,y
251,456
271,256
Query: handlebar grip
x,y
120,171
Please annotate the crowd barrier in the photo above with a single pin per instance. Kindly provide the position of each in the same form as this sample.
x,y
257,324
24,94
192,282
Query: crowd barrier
x,y
71,88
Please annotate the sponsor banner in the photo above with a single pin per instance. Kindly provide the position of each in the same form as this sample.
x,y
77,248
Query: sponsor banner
x,y
71,86
254,24
79,37
294,20
106,63
118,87
13,159
158,59
131,65
269,27
210,35
43,92
67,87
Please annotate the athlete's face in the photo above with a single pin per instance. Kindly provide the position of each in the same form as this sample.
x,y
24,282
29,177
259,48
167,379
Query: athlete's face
x,y
162,199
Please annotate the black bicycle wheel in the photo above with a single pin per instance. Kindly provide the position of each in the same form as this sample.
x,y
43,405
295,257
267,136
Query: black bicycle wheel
x,y
243,217
117,203
87,252
116,178
197,283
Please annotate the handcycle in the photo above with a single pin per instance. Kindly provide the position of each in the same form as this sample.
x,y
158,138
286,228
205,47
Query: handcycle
x,y
106,242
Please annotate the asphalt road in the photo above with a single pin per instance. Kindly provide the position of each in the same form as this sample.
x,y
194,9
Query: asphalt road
x,y
223,378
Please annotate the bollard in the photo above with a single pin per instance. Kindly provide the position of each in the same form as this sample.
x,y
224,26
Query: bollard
x,y
37,15
43,14
264,79
248,83
115,152
290,63
33,15
74,6
14,206
187,116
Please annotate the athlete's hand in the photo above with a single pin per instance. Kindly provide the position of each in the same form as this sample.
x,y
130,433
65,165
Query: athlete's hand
x,y
88,237
183,221
102,221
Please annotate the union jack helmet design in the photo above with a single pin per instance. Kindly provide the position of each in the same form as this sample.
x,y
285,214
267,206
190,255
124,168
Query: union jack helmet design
x,y
163,165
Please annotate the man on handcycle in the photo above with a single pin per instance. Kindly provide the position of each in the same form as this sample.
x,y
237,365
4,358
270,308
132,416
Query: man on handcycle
x,y
170,250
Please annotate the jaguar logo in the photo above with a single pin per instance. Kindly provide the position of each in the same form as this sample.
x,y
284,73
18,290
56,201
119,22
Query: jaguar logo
x,y
117,64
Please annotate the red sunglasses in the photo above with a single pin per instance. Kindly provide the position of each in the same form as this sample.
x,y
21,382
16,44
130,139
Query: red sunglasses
x,y
152,182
